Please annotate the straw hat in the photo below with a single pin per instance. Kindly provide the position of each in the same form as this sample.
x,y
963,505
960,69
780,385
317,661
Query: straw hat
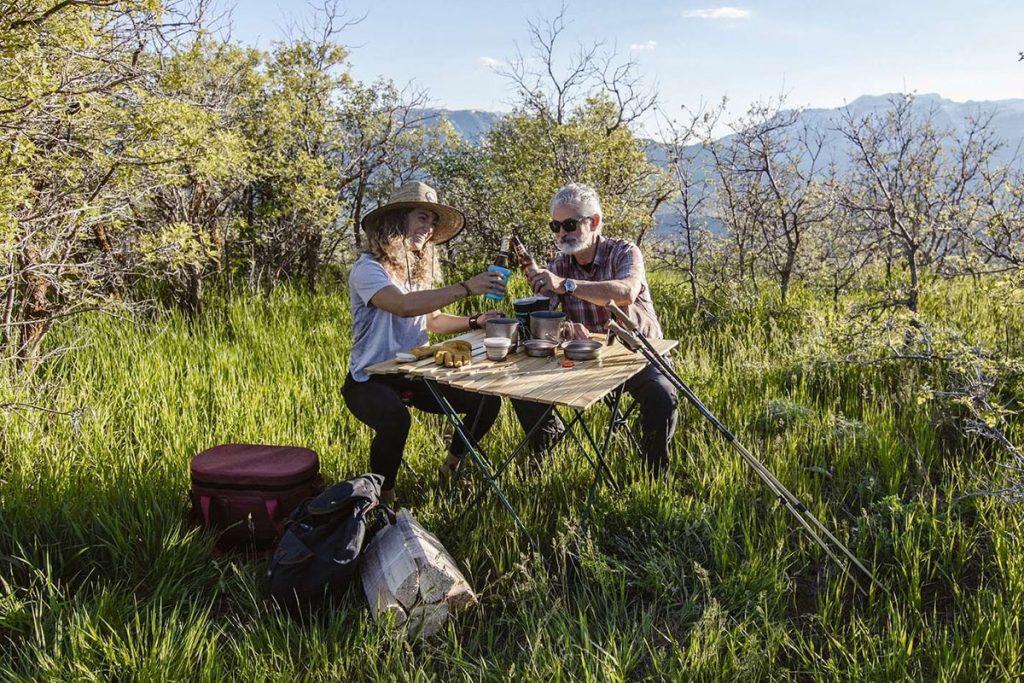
x,y
417,195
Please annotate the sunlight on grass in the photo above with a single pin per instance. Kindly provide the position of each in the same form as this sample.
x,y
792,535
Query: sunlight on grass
x,y
702,577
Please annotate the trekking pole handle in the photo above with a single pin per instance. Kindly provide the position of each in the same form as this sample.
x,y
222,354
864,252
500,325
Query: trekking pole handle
x,y
620,316
627,338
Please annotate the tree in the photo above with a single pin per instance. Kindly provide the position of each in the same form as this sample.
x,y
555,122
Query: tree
x,y
327,148
69,74
910,180
770,169
570,123
991,227
692,201
193,163
296,129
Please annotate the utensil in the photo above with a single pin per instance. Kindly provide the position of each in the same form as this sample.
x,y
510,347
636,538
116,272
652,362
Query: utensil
x,y
497,347
551,325
503,327
540,348
581,349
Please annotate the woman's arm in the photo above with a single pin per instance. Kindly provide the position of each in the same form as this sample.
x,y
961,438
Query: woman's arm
x,y
392,300
444,323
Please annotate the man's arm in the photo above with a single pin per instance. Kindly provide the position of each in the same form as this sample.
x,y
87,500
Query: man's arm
x,y
623,292
623,288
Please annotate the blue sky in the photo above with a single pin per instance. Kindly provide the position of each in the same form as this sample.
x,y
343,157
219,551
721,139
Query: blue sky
x,y
821,54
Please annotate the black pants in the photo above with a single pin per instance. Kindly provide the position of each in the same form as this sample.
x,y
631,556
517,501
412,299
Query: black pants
x,y
658,405
378,402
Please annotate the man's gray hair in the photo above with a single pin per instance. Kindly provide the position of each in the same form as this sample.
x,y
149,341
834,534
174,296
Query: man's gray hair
x,y
581,197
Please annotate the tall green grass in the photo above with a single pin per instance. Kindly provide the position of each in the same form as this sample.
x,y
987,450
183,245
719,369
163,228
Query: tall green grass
x,y
701,577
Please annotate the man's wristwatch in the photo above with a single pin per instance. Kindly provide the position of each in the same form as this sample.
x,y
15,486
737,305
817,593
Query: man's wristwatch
x,y
474,321
570,286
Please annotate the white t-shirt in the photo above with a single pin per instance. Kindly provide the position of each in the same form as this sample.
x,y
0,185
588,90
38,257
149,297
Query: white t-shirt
x,y
376,334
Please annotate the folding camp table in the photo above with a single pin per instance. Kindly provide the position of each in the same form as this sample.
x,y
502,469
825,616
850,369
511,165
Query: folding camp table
x,y
542,380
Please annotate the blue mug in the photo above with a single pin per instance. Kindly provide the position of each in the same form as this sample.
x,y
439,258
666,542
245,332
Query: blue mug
x,y
505,272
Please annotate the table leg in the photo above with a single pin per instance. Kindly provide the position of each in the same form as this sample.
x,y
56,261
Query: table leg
x,y
515,452
599,454
474,452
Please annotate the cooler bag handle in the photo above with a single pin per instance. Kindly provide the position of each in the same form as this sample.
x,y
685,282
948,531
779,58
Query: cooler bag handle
x,y
204,506
271,505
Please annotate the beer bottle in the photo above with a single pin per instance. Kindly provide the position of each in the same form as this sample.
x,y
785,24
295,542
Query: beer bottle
x,y
526,259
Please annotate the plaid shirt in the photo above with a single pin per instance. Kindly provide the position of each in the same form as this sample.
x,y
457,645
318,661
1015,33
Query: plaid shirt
x,y
614,259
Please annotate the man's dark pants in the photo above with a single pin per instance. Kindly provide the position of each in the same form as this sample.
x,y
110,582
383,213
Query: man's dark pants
x,y
658,405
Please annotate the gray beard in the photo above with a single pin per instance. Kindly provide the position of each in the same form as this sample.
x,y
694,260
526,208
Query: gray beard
x,y
569,248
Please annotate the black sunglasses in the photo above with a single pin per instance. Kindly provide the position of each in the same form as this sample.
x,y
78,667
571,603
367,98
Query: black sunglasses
x,y
569,224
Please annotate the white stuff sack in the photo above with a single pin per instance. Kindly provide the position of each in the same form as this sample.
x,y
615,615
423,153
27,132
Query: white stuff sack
x,y
409,577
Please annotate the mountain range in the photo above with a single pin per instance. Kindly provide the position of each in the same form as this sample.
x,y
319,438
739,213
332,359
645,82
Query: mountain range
x,y
1007,126
1007,122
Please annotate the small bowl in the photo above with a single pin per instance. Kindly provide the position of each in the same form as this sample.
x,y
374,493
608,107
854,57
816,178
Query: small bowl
x,y
497,347
540,348
582,349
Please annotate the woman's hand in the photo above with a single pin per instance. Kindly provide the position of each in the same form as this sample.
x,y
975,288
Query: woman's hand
x,y
487,281
489,315
478,321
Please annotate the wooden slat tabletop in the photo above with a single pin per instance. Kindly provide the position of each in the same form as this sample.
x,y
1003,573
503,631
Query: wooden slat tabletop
x,y
543,380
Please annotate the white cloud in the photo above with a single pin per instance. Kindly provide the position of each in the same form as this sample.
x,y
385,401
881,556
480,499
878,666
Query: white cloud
x,y
718,13
648,45
489,62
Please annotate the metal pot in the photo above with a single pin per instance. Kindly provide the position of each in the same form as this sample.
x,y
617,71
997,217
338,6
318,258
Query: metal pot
x,y
524,307
504,327
581,349
540,348
547,325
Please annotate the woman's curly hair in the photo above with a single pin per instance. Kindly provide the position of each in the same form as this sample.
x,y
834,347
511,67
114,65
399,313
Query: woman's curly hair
x,y
387,245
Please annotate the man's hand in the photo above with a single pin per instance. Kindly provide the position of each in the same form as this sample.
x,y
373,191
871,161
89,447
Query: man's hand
x,y
543,281
578,331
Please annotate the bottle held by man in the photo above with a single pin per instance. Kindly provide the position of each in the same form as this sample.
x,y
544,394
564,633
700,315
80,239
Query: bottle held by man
x,y
526,306
524,257
500,266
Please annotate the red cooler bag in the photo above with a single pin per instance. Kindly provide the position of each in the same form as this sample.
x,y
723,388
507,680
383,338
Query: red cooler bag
x,y
244,492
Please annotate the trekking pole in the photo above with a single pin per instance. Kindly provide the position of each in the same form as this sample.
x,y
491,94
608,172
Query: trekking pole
x,y
627,331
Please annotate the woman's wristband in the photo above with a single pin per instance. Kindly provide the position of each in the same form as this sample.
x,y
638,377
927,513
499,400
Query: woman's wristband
x,y
469,292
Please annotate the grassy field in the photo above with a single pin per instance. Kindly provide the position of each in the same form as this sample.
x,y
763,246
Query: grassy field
x,y
699,578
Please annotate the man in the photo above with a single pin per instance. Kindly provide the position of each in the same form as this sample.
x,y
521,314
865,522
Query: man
x,y
591,270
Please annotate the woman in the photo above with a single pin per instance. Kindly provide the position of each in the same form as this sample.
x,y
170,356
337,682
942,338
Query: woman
x,y
393,307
